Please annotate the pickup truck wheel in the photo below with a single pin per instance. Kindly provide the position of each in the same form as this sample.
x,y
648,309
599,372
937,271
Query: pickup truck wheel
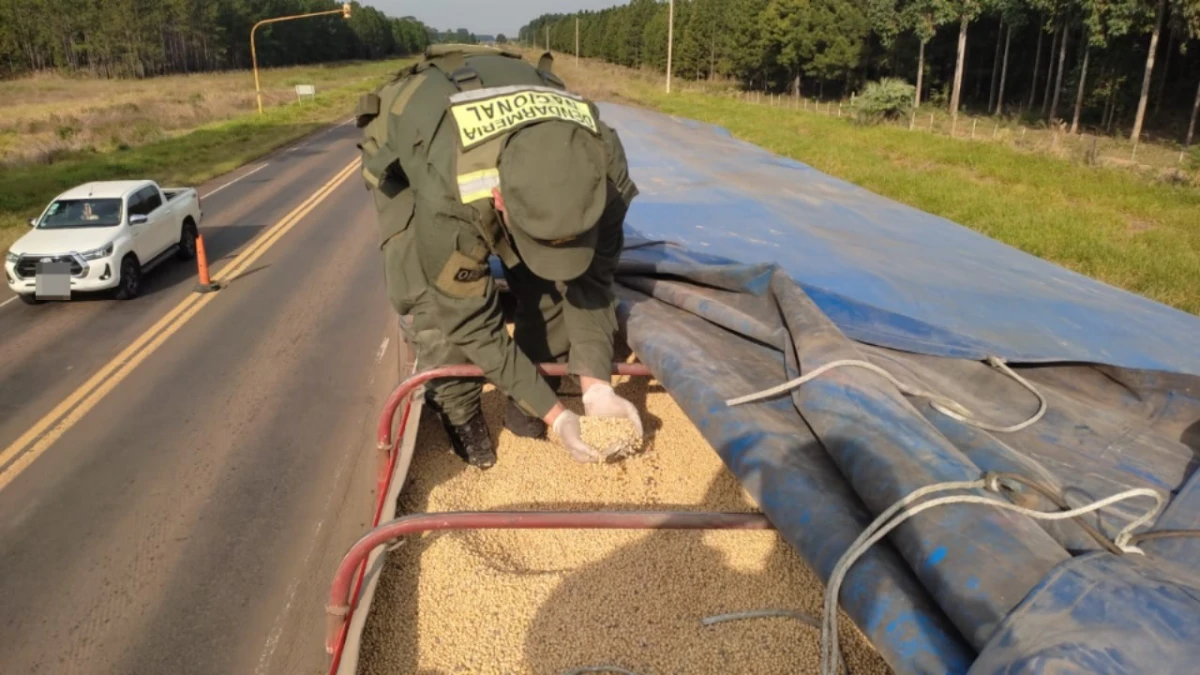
x,y
187,240
131,278
29,298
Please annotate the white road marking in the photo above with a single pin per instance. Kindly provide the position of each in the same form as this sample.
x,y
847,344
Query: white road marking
x,y
382,350
252,171
8,301
264,661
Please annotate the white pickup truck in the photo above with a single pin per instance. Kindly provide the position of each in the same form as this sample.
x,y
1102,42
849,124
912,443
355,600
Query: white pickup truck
x,y
105,236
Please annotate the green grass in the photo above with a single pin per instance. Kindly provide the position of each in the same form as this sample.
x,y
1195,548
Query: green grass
x,y
1118,226
186,158
1105,223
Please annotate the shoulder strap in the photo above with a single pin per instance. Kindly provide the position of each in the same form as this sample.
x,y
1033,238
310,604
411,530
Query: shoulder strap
x,y
440,50
454,66
372,115
545,70
452,61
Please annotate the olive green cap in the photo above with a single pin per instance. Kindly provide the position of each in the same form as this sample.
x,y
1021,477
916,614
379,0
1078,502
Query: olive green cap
x,y
554,181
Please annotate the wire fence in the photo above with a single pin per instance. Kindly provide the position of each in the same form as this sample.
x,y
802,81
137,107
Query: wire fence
x,y
1169,163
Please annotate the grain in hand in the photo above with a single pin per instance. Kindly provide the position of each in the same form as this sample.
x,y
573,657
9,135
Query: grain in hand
x,y
610,436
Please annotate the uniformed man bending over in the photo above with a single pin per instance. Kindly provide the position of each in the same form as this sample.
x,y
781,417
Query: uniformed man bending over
x,y
472,153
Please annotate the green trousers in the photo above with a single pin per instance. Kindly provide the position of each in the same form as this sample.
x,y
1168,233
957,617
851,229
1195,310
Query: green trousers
x,y
539,325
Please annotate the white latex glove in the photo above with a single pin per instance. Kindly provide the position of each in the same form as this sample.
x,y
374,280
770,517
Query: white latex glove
x,y
566,428
601,401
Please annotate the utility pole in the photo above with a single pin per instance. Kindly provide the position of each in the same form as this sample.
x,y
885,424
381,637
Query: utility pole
x,y
576,42
670,41
547,37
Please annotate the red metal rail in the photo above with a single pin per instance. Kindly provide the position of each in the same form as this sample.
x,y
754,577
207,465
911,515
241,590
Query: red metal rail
x,y
387,445
384,429
340,600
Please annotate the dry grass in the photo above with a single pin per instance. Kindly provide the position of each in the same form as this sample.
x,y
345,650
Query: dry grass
x,y
45,116
177,130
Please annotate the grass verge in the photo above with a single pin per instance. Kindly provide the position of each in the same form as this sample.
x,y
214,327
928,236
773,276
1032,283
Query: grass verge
x,y
186,158
46,116
1117,226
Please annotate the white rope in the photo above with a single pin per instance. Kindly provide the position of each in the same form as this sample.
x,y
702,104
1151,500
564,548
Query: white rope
x,y
946,406
881,526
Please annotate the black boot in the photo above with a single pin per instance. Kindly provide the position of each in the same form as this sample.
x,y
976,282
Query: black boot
x,y
471,441
521,424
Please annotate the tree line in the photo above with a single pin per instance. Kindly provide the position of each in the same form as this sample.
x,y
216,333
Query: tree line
x,y
1108,64
139,38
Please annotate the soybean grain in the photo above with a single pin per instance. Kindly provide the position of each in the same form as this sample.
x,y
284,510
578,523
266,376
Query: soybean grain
x,y
610,436
546,602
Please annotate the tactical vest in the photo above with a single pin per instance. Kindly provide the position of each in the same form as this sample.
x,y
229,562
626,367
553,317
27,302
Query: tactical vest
x,y
481,118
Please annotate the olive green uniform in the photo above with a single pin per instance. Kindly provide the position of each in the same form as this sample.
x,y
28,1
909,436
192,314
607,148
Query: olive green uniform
x,y
436,245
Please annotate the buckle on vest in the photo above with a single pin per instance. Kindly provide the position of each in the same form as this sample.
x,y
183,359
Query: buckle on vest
x,y
463,75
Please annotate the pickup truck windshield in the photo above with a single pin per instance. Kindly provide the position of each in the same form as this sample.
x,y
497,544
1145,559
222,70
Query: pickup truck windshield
x,y
70,213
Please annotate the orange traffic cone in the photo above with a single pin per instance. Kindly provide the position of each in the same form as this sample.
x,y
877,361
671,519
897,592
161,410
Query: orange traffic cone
x,y
206,284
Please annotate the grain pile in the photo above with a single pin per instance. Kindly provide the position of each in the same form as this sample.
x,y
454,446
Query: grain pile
x,y
549,602
611,437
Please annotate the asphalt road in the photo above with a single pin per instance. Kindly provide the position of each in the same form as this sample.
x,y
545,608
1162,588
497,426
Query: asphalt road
x,y
183,511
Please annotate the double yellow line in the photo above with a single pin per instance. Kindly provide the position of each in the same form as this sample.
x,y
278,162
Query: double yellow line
x,y
26,449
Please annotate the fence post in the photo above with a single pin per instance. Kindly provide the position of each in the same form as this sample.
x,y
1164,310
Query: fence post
x,y
931,123
974,123
839,111
995,131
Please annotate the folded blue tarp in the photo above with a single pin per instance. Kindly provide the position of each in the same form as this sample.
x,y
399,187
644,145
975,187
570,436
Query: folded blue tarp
x,y
962,588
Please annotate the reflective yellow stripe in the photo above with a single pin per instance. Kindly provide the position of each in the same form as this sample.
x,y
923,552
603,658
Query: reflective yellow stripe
x,y
477,185
371,178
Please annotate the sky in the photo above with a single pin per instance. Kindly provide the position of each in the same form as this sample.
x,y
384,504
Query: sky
x,y
484,17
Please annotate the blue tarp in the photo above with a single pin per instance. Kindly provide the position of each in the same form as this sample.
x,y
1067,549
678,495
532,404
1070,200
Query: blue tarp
x,y
773,269
885,273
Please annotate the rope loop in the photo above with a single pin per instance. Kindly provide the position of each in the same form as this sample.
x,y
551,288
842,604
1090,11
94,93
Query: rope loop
x,y
903,510
942,404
